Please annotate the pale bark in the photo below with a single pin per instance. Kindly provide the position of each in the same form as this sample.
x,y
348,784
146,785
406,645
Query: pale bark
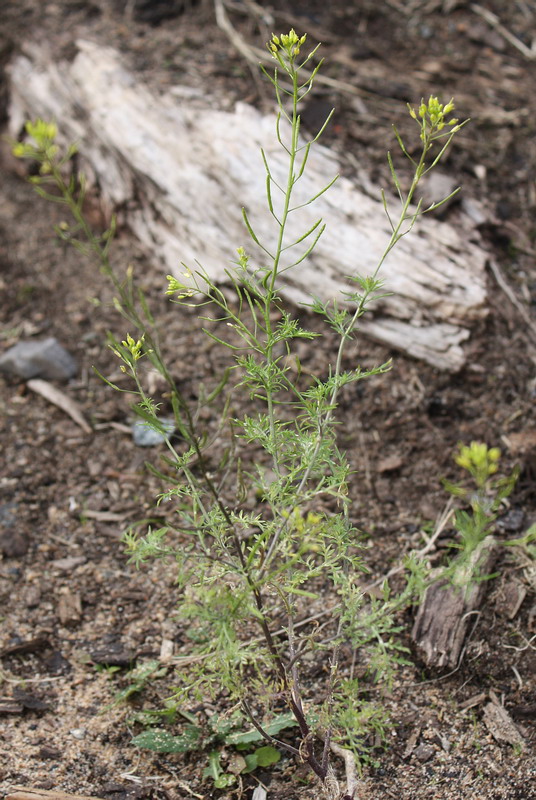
x,y
178,171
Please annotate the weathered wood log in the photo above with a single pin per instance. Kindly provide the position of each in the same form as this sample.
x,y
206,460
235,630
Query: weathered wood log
x,y
179,171
448,609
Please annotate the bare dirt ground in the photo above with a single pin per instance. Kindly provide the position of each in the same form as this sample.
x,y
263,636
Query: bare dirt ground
x,y
70,602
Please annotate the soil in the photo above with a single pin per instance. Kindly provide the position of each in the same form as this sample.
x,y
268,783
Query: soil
x,y
70,603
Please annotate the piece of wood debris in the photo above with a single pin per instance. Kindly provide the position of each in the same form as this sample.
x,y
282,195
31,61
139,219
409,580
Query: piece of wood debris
x,y
59,399
113,657
513,593
390,463
39,642
524,712
350,766
29,701
69,607
184,169
501,726
448,609
27,793
474,700
10,706
411,742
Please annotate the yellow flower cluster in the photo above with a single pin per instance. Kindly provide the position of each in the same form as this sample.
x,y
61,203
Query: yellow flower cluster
x,y
433,113
479,460
134,347
43,133
289,42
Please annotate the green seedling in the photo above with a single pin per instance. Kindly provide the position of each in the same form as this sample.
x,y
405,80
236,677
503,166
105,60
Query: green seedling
x,y
107,669
219,734
483,493
139,678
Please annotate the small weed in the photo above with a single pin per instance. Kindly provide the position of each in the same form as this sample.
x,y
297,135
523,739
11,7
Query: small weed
x,y
247,576
484,495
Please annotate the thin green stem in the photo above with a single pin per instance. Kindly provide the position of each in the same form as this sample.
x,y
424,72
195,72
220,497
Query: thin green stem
x,y
270,294
324,423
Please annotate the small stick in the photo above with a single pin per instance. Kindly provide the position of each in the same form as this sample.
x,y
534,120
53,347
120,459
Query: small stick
x,y
499,277
493,20
350,767
26,793
254,55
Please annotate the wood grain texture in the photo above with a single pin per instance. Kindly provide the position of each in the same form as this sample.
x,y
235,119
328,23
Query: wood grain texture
x,y
449,610
179,170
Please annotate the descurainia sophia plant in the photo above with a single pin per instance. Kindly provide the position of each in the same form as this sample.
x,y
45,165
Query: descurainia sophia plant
x,y
247,577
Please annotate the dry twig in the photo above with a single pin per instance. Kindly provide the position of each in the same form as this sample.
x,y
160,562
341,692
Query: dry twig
x,y
352,781
27,793
501,280
254,55
493,20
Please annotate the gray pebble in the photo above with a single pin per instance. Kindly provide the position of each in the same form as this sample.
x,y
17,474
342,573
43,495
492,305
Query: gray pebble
x,y
144,436
78,733
39,358
424,752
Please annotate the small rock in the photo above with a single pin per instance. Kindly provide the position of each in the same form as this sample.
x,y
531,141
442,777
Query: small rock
x,y
113,656
474,210
44,358
46,784
237,764
426,31
78,733
13,544
56,663
8,514
69,608
424,753
47,751
144,436
390,463
32,597
511,598
513,521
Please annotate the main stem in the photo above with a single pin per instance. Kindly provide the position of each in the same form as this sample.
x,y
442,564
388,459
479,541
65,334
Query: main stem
x,y
277,256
